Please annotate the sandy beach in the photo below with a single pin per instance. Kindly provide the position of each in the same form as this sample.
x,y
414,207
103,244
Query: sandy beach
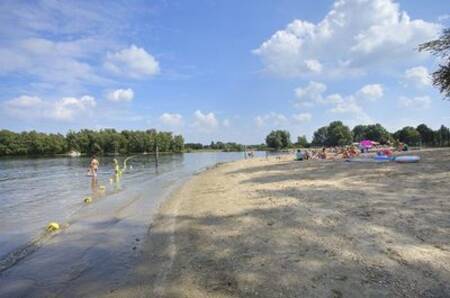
x,y
281,228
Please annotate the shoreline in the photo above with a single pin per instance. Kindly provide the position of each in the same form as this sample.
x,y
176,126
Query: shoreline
x,y
278,227
79,253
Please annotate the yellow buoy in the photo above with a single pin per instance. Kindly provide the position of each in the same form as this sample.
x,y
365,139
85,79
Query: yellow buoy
x,y
53,226
101,187
88,200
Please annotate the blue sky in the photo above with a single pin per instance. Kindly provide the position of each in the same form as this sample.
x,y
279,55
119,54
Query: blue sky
x,y
218,70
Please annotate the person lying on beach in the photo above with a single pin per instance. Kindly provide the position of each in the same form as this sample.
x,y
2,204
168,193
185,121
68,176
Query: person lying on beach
x,y
307,154
385,152
352,152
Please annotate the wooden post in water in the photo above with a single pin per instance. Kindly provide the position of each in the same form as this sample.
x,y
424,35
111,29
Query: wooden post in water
x,y
157,155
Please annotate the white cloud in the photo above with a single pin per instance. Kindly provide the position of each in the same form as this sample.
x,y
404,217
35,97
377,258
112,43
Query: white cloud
x,y
64,109
171,119
56,17
302,117
349,105
271,119
57,47
133,62
259,121
334,98
418,76
24,101
354,35
311,93
419,102
226,123
279,120
205,122
314,93
68,107
121,95
370,92
60,62
313,65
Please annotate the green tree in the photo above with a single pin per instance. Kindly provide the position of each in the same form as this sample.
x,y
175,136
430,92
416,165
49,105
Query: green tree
x,y
335,134
374,132
441,48
408,135
177,144
359,133
278,139
338,134
302,142
193,146
442,136
377,133
107,141
426,134
320,136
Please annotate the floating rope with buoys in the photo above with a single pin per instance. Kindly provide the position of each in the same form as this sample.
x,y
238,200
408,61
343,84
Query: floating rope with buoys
x,y
53,227
118,172
125,162
27,249
51,230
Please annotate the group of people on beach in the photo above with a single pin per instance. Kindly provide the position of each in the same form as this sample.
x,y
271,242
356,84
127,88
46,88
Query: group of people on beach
x,y
344,152
328,153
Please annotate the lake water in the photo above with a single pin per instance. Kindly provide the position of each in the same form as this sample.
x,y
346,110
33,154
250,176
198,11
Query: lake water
x,y
98,237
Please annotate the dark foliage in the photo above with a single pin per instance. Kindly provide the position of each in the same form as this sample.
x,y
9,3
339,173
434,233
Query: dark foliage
x,y
107,141
374,132
441,48
335,134
278,139
302,142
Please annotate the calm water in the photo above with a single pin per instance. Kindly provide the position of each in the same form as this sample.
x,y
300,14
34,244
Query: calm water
x,y
34,192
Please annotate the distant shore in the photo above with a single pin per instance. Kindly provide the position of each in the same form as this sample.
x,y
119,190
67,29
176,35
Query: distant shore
x,y
278,227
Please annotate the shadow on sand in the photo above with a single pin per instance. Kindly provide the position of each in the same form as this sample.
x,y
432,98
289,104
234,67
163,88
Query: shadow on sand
x,y
380,232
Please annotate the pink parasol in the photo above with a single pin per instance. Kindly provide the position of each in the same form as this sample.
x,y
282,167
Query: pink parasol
x,y
366,143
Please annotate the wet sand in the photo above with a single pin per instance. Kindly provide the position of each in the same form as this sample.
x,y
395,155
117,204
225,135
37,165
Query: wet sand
x,y
280,228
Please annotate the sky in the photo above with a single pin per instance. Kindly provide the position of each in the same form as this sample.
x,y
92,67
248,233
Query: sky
x,y
219,70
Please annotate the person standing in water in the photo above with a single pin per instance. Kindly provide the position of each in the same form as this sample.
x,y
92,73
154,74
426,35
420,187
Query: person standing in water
x,y
93,166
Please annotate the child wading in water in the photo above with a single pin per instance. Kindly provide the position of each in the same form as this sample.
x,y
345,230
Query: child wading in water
x,y
93,167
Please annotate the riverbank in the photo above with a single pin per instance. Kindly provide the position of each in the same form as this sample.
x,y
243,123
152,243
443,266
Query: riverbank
x,y
272,228
98,243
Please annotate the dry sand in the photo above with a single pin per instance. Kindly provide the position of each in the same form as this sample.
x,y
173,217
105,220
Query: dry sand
x,y
280,228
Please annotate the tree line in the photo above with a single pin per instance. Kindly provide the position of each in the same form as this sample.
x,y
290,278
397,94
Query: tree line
x,y
105,141
338,134
222,146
